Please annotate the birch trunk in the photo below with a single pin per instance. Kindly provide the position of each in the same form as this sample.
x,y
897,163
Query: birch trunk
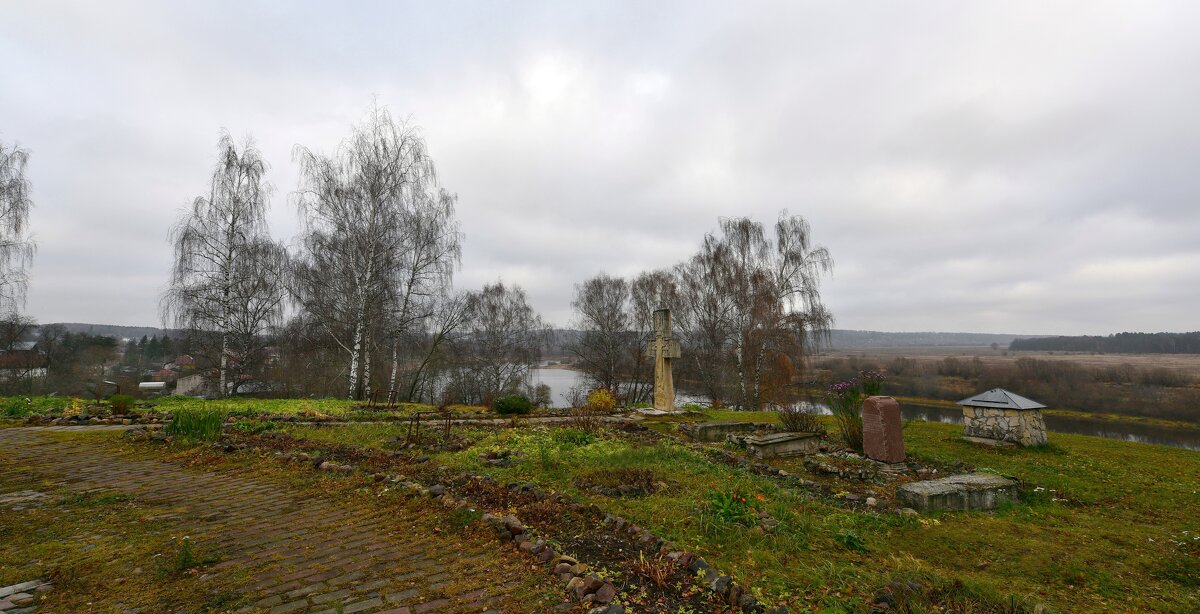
x,y
395,371
758,362
355,350
741,371
367,367
224,377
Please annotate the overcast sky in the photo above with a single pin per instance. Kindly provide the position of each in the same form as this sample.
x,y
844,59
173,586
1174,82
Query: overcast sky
x,y
1023,167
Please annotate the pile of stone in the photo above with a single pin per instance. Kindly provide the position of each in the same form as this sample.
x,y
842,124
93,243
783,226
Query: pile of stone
x,y
845,465
81,420
143,433
332,466
502,458
723,585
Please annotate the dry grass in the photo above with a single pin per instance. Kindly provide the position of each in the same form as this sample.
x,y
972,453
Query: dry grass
x,y
1189,363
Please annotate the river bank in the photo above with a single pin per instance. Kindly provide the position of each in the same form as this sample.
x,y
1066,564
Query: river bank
x,y
1111,426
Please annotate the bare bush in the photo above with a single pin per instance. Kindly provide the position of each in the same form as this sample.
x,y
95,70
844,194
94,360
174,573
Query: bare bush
x,y
800,418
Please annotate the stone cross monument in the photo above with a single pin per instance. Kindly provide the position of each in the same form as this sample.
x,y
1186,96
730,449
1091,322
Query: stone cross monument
x,y
663,348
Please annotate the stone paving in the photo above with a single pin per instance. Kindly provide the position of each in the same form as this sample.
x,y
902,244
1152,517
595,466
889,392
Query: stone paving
x,y
13,599
310,555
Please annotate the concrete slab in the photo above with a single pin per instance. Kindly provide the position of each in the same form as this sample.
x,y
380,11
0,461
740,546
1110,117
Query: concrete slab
x,y
782,445
966,492
712,432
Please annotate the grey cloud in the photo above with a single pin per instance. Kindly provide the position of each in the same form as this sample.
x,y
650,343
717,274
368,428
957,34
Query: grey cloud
x,y
972,166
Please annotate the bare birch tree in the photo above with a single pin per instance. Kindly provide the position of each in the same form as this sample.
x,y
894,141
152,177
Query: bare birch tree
x,y
380,240
501,341
425,264
607,346
746,296
16,246
430,349
706,318
226,281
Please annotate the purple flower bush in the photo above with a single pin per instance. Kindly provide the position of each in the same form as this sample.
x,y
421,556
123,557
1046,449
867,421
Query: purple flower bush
x,y
845,401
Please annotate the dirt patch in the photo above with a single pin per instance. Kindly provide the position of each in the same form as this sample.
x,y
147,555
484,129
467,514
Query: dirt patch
x,y
622,482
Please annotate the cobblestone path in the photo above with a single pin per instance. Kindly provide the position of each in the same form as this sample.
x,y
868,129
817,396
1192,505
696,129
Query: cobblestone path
x,y
308,554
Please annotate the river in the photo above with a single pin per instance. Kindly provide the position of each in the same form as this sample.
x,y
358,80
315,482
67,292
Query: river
x,y
561,381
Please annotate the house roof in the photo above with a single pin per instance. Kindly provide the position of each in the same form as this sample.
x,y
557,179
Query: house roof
x,y
1002,399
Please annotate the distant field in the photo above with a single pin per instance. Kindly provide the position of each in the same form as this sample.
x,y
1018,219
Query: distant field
x,y
1189,363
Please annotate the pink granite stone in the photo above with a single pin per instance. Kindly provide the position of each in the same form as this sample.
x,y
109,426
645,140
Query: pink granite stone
x,y
882,438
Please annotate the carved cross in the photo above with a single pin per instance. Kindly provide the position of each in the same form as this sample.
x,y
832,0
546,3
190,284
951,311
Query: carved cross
x,y
662,349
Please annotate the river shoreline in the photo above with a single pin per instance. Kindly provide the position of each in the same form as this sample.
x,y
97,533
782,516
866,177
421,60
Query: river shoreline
x,y
1140,429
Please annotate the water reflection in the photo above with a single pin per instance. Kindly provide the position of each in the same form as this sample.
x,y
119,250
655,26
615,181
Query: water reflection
x,y
561,381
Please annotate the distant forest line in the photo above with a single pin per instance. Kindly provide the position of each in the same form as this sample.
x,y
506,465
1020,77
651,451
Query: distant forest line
x,y
1120,343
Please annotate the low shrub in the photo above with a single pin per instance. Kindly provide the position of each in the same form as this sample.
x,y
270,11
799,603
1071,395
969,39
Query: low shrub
x,y
120,404
602,400
542,397
800,419
513,404
195,424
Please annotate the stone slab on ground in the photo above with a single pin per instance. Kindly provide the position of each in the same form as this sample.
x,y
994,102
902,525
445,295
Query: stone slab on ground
x,y
21,496
713,432
308,554
20,588
659,412
966,492
782,445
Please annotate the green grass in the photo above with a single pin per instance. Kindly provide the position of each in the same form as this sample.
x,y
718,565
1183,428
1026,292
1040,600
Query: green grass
x,y
19,407
195,424
1099,526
